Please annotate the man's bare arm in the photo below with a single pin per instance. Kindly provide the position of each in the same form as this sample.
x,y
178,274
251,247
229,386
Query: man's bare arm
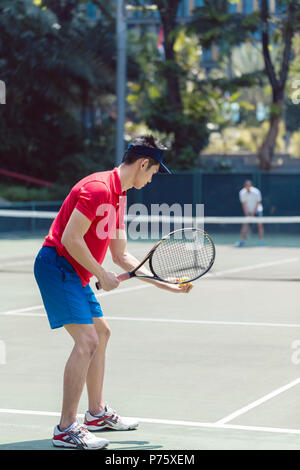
x,y
256,206
73,240
244,206
126,261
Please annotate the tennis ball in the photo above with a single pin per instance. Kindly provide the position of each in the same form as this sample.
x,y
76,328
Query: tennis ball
x,y
184,279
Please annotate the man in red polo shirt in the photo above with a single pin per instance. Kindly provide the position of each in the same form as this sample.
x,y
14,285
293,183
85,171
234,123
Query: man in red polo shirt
x,y
90,220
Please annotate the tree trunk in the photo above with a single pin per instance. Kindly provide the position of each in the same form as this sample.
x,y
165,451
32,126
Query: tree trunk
x,y
168,13
63,9
266,151
277,81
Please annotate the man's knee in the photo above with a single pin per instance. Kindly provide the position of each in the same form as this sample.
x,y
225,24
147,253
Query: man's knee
x,y
87,344
107,332
103,330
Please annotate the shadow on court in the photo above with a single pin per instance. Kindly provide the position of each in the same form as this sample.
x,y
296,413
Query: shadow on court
x,y
46,444
133,445
39,444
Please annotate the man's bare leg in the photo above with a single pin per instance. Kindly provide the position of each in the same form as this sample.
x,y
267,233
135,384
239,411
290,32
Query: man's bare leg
x,y
260,230
95,374
244,231
86,344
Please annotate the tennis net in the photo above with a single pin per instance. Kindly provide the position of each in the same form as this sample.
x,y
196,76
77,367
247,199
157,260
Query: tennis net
x,y
278,231
278,259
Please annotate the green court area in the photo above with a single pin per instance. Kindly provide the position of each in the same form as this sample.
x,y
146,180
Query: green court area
x,y
216,369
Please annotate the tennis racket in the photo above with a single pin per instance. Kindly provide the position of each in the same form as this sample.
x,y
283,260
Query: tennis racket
x,y
180,257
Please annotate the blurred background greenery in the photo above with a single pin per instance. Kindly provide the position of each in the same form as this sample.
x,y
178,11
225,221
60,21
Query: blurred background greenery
x,y
210,78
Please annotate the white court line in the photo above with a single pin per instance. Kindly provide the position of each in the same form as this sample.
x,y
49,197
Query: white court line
x,y
26,311
256,403
211,274
124,289
253,266
170,422
4,263
15,263
205,322
166,320
129,289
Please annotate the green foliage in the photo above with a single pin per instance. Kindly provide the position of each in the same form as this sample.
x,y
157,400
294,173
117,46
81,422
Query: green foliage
x,y
294,146
98,155
54,69
265,58
184,129
17,193
245,139
57,64
292,116
217,25
292,105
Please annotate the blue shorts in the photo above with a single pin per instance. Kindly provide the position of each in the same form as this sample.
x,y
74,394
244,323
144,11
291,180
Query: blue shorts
x,y
65,299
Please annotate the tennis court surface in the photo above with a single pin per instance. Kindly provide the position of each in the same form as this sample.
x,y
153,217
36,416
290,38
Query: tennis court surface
x,y
216,369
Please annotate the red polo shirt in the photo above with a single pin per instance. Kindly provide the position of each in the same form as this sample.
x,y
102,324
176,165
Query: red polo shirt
x,y
100,198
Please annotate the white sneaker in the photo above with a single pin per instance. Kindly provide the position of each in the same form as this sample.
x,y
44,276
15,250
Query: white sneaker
x,y
109,420
77,436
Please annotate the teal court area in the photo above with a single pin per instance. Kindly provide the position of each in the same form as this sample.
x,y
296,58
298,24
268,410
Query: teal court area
x,y
216,369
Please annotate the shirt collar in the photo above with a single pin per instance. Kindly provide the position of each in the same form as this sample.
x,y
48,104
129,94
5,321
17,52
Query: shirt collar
x,y
116,183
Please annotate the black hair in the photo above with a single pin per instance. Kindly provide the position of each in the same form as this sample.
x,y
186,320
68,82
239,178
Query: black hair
x,y
130,157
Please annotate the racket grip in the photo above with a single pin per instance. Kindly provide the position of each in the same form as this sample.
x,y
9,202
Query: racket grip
x,y
122,277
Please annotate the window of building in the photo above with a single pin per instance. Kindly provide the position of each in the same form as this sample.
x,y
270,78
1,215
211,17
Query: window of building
x,y
247,6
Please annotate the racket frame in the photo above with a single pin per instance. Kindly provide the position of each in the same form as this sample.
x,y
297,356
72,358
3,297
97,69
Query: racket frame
x,y
193,229
150,254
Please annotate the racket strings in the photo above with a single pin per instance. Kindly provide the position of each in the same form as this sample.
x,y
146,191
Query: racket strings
x,y
184,254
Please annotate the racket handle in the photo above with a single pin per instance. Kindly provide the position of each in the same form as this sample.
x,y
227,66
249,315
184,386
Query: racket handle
x,y
122,277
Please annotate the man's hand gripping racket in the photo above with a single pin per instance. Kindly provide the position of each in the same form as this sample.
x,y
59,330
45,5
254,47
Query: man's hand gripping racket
x,y
179,258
